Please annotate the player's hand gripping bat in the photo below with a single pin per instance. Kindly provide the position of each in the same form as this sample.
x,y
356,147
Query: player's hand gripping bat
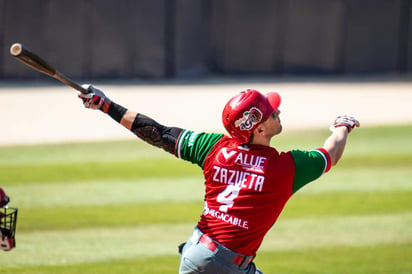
x,y
30,59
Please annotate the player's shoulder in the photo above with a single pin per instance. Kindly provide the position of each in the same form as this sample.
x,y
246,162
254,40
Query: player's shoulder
x,y
195,146
190,138
317,156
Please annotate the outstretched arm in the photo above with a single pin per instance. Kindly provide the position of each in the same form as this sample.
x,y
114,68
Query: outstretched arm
x,y
142,126
336,142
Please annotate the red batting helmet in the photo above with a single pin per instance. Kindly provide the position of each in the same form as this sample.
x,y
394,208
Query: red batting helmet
x,y
245,111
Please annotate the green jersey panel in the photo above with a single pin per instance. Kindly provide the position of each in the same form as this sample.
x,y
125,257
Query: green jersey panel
x,y
195,146
310,165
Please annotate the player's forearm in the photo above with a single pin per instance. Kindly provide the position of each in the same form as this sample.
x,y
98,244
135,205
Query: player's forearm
x,y
128,118
146,128
122,115
142,126
116,111
335,144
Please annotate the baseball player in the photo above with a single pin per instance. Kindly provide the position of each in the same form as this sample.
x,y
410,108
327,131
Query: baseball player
x,y
8,219
247,181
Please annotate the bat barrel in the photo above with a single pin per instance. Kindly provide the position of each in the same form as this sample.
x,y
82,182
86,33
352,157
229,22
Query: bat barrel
x,y
16,49
32,60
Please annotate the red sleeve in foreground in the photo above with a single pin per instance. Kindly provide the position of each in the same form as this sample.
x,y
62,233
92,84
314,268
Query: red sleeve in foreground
x,y
328,161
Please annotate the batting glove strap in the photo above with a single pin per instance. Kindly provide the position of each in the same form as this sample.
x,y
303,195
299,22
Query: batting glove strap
x,y
345,121
105,105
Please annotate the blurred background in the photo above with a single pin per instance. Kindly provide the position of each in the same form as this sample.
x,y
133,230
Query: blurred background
x,y
146,53
148,39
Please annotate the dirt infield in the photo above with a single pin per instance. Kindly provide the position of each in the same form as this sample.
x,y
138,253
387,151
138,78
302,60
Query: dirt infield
x,y
37,113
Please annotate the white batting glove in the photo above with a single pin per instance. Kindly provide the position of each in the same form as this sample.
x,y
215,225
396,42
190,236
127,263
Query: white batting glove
x,y
95,99
345,121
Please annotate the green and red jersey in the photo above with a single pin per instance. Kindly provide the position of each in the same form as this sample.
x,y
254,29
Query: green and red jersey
x,y
246,186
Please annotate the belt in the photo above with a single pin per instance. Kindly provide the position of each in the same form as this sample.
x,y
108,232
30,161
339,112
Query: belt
x,y
241,260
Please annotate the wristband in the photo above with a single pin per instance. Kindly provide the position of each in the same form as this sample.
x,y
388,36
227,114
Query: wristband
x,y
116,111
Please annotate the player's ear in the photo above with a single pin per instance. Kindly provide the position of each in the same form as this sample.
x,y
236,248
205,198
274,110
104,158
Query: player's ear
x,y
259,130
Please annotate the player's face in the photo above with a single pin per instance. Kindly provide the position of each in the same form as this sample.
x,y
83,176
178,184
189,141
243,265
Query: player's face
x,y
273,125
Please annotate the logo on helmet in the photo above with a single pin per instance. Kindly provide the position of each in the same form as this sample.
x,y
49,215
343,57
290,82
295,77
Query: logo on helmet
x,y
249,119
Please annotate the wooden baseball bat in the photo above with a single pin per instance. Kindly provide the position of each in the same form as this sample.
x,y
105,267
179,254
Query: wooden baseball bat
x,y
32,60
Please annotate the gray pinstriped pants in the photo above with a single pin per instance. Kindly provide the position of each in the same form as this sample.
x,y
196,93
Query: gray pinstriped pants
x,y
198,258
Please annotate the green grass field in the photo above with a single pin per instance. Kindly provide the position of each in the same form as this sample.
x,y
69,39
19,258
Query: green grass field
x,y
123,207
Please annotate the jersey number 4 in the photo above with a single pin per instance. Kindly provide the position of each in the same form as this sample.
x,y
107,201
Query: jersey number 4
x,y
227,196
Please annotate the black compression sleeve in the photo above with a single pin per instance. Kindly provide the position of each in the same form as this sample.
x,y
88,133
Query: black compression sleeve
x,y
156,134
116,111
